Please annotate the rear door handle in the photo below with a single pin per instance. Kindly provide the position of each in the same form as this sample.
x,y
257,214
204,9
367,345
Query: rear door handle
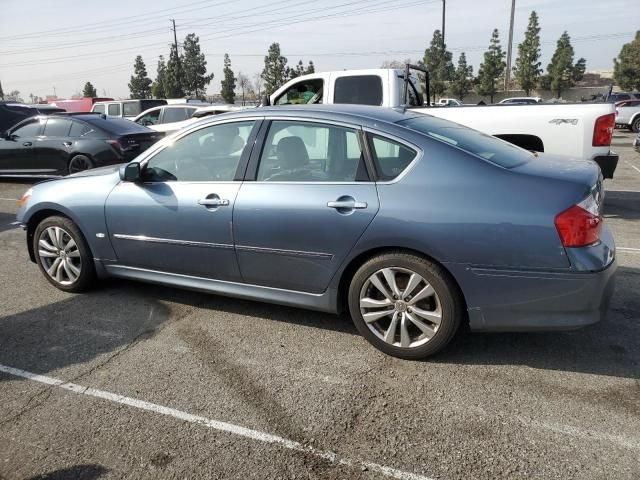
x,y
26,144
67,144
213,202
347,204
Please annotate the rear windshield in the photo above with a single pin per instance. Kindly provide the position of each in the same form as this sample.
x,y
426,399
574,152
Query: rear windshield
x,y
490,148
118,126
358,89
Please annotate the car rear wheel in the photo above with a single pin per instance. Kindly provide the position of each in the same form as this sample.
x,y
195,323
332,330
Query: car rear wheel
x,y
635,126
79,163
405,305
63,254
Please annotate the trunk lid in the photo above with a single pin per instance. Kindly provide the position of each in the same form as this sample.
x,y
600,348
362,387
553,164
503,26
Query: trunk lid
x,y
133,144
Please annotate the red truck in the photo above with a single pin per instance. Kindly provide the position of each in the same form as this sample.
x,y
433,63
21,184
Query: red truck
x,y
79,105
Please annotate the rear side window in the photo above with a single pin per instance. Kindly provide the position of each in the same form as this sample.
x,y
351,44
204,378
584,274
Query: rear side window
x,y
358,89
391,158
118,126
57,127
98,108
114,110
79,129
490,148
129,109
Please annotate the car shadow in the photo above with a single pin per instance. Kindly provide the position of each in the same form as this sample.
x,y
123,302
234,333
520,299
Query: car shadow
x,y
622,204
6,219
77,472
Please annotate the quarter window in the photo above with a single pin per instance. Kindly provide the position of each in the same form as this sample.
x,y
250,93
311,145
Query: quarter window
x,y
358,89
211,154
114,110
311,152
390,157
304,92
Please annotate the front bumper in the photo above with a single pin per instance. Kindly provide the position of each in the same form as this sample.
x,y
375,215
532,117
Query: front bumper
x,y
607,164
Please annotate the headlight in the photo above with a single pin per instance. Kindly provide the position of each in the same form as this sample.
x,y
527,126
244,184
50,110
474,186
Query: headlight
x,y
25,197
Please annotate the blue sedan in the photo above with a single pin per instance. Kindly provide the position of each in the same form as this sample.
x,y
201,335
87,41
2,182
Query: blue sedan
x,y
413,224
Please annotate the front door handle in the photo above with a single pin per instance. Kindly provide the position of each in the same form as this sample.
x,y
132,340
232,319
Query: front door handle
x,y
26,144
347,204
213,202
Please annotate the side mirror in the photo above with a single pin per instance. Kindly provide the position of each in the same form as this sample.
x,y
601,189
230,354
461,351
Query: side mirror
x,y
130,172
266,101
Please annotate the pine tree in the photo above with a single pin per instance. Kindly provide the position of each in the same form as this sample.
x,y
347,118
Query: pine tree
x,y
140,83
492,68
89,90
462,78
228,83
438,62
561,71
194,67
159,86
173,79
527,69
626,70
311,68
297,71
274,73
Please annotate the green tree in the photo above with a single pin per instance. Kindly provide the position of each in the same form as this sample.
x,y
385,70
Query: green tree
x,y
158,87
527,68
1,92
492,68
274,73
626,70
438,61
462,78
228,83
562,72
173,79
89,90
194,67
311,68
140,83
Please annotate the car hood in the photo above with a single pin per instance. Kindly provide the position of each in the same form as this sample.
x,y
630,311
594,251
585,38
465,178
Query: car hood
x,y
94,172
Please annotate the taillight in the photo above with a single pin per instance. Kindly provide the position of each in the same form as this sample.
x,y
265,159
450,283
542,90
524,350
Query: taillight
x,y
603,130
117,146
580,225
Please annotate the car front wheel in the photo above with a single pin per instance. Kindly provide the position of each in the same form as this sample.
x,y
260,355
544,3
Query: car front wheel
x,y
405,305
63,255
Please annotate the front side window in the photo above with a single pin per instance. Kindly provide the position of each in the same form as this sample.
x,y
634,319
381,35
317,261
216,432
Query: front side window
x,y
390,157
358,89
114,110
98,108
149,118
303,92
57,127
311,152
211,154
31,129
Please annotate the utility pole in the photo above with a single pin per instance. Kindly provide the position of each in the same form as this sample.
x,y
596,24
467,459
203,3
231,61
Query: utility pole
x,y
175,45
507,76
443,9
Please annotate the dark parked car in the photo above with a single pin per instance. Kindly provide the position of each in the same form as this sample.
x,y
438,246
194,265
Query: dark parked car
x,y
14,112
60,144
413,224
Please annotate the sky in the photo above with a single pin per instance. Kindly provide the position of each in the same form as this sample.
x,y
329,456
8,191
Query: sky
x,y
48,46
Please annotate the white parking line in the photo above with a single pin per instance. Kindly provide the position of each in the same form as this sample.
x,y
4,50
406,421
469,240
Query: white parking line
x,y
10,199
634,167
627,249
214,424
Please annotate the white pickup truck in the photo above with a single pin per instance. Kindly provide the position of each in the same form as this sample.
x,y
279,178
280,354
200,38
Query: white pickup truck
x,y
577,130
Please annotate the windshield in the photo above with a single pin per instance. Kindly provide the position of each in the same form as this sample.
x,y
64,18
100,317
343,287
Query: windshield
x,y
489,148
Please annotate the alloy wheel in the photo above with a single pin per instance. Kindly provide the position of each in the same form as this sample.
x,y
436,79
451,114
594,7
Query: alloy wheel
x,y
400,307
59,255
79,164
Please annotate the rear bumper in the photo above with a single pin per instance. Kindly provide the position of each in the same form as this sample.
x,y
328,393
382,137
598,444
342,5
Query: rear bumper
x,y
607,164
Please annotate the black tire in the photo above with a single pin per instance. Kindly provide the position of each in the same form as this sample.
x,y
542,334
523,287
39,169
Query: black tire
x,y
84,260
79,163
452,306
635,126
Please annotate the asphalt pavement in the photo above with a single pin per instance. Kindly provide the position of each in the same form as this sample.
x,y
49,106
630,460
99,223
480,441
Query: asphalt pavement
x,y
142,381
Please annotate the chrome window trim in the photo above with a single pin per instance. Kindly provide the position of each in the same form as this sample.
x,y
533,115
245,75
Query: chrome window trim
x,y
170,241
419,153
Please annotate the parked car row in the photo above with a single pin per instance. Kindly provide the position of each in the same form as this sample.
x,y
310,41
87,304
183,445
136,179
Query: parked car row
x,y
628,115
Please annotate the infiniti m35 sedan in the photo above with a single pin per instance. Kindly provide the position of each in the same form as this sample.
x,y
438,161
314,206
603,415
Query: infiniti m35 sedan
x,y
413,224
